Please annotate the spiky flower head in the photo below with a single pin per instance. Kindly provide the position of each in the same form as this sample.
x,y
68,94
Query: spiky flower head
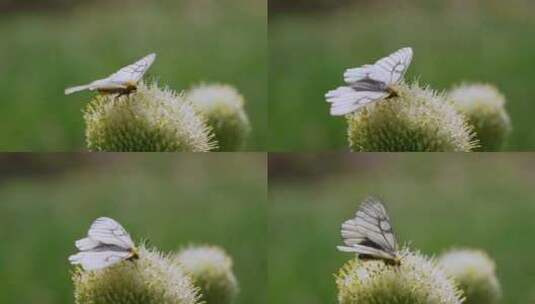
x,y
223,108
418,119
151,279
418,280
150,119
484,107
211,270
474,272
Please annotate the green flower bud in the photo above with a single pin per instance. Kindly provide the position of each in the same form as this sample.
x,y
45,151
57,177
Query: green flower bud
x,y
151,119
418,280
223,108
484,107
473,270
151,279
211,270
416,120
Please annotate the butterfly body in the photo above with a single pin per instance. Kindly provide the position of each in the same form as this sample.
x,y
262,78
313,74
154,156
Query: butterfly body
x,y
134,256
369,83
370,235
123,90
392,92
393,262
394,259
122,82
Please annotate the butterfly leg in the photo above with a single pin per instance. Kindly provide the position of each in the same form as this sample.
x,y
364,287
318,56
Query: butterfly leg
x,y
122,93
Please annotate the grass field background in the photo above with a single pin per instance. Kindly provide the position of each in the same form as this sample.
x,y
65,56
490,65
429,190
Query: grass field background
x,y
435,202
48,46
453,42
49,201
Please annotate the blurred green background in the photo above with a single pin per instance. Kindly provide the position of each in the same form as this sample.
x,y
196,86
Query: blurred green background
x,y
49,45
49,201
435,202
454,41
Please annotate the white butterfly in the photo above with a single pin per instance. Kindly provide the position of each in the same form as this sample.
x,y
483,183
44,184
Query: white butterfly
x,y
369,83
123,81
370,234
107,243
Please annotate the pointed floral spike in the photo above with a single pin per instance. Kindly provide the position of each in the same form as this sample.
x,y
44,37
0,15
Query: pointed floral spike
x,y
211,270
223,108
417,119
474,272
151,279
151,119
484,107
416,280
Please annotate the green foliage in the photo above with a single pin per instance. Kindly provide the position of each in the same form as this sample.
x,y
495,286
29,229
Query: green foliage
x,y
163,197
211,270
484,107
310,51
151,119
435,200
474,272
417,280
416,120
223,108
151,279
45,51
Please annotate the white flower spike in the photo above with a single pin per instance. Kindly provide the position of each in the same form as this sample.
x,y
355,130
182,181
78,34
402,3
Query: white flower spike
x,y
122,82
369,83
